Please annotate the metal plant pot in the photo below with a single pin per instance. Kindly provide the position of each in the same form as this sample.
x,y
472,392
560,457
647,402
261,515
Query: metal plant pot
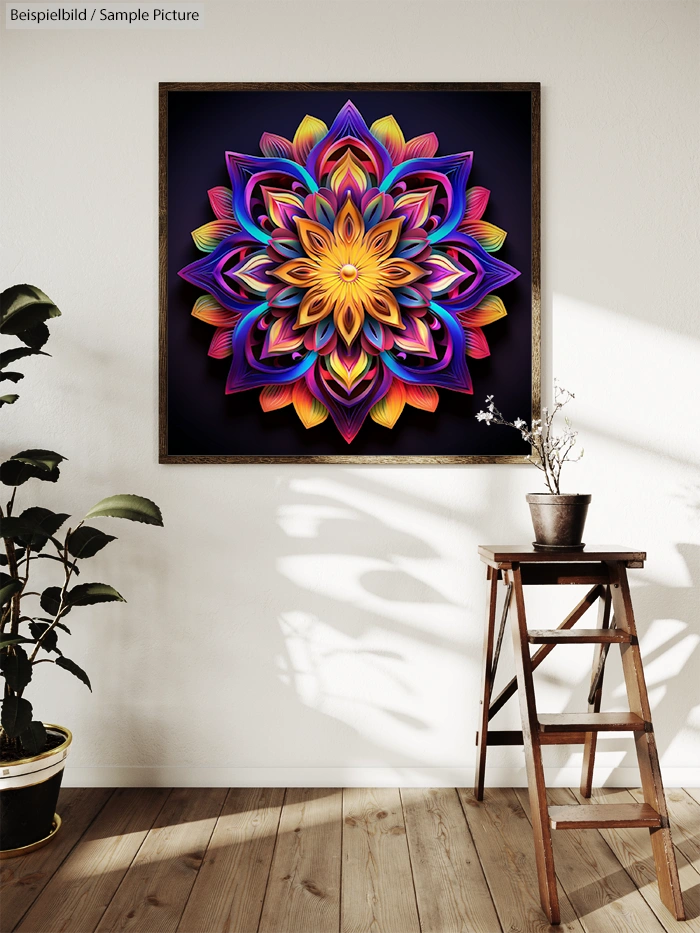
x,y
558,520
29,791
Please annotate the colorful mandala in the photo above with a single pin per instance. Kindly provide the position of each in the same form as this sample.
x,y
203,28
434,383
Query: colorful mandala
x,y
348,272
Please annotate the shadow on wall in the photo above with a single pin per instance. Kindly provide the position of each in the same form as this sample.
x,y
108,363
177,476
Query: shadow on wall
x,y
377,636
382,633
366,621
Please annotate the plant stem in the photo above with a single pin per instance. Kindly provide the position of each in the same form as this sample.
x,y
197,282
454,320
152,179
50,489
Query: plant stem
x,y
68,569
14,573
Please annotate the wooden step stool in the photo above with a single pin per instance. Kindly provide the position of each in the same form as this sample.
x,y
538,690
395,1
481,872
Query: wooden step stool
x,y
604,569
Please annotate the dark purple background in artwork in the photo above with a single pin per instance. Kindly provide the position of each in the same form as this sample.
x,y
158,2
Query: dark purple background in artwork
x,y
202,126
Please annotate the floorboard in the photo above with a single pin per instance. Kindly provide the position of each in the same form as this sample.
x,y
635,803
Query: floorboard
x,y
451,890
23,879
228,893
303,892
155,889
503,838
78,894
377,883
359,860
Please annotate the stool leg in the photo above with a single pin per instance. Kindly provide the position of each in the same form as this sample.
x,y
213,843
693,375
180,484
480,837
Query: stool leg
x,y
645,743
594,699
486,682
549,897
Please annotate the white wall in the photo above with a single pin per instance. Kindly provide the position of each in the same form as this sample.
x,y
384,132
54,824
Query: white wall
x,y
316,624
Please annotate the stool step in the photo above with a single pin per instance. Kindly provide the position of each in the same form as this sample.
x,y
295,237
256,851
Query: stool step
x,y
581,636
592,722
604,816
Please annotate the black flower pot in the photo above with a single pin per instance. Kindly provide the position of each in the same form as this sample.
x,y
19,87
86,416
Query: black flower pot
x,y
29,791
558,520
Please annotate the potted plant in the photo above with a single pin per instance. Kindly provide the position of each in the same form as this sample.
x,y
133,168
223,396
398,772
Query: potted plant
x,y
558,518
32,752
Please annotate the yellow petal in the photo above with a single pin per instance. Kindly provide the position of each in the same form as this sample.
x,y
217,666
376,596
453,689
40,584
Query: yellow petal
x,y
314,237
380,241
348,319
308,133
419,342
388,410
349,172
275,198
349,227
299,272
208,236
490,309
280,341
397,272
487,235
350,372
310,411
206,308
417,204
383,306
245,273
447,273
389,133
315,305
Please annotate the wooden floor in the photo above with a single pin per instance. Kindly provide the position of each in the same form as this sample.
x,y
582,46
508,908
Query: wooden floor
x,y
322,860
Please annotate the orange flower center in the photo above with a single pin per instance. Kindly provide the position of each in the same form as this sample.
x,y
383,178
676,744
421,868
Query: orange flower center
x,y
349,272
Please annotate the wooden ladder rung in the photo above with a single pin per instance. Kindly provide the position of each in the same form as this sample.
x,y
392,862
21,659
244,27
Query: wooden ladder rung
x,y
581,636
592,722
503,737
604,816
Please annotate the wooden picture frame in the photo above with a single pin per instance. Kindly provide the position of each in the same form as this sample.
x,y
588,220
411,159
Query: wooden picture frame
x,y
176,445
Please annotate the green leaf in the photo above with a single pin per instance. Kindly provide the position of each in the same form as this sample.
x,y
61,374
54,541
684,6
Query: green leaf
x,y
87,594
16,668
16,473
135,508
42,459
8,399
84,594
15,640
35,337
8,588
50,642
16,715
10,376
51,599
23,307
13,527
43,524
31,464
86,541
71,666
33,738
18,353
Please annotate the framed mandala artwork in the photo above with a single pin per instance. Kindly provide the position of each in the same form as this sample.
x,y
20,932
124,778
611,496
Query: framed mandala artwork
x,y
347,271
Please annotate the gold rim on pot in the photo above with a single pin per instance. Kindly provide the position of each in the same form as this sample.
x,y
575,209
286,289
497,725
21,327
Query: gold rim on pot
x,y
24,850
53,751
